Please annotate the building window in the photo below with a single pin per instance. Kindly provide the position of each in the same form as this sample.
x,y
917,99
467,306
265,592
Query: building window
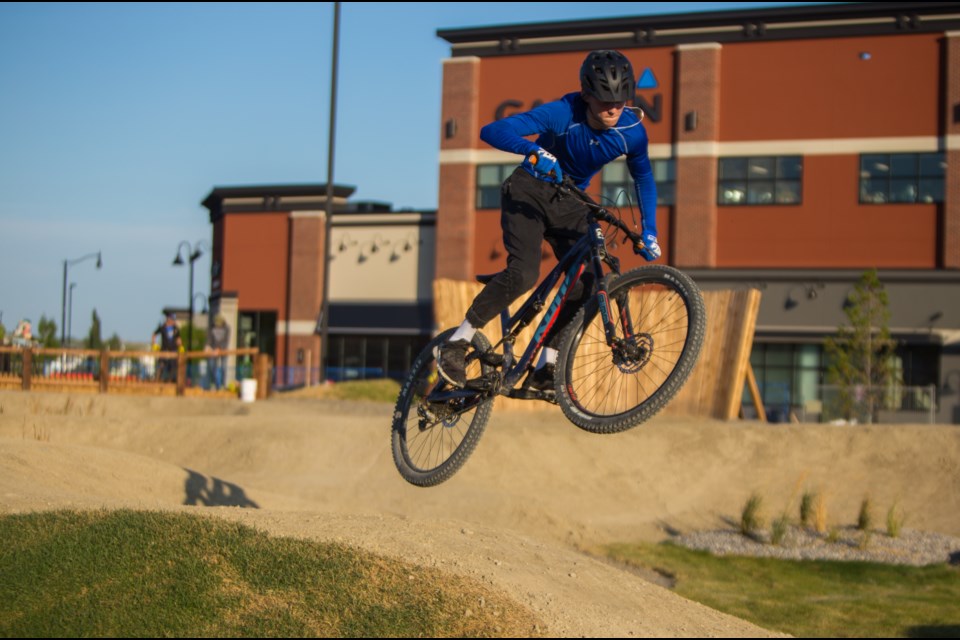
x,y
760,181
489,179
372,357
901,177
617,185
789,377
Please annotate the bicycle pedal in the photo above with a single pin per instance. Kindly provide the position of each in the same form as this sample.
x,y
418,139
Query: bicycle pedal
x,y
491,358
533,394
478,384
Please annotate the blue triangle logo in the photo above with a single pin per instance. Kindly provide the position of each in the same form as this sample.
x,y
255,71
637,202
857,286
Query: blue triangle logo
x,y
647,80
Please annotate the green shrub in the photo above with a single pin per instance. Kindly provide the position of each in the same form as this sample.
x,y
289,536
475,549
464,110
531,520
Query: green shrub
x,y
807,501
779,528
865,518
751,518
895,520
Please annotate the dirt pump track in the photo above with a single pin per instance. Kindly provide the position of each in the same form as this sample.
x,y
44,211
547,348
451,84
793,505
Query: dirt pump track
x,y
535,492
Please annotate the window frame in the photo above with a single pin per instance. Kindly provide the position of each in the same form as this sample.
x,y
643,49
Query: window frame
x,y
504,171
781,177
868,193
667,165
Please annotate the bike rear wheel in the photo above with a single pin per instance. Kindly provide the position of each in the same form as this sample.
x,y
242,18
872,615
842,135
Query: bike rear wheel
x,y
660,320
431,439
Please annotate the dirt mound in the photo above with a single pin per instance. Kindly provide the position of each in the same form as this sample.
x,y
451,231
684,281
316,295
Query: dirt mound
x,y
534,490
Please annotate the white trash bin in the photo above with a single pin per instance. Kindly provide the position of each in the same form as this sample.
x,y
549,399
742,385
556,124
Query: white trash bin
x,y
248,390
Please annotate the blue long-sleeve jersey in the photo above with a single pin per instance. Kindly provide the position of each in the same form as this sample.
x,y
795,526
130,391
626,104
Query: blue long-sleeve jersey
x,y
581,150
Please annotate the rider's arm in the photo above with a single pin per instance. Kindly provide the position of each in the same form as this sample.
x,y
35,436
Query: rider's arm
x,y
638,162
509,133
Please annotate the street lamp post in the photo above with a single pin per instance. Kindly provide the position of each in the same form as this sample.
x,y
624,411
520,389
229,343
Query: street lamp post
x,y
63,313
70,316
193,254
328,207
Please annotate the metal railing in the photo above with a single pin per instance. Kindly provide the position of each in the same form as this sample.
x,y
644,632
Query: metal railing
x,y
861,404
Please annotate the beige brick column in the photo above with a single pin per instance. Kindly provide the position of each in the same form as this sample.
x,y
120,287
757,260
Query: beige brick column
x,y
698,132
460,130
950,238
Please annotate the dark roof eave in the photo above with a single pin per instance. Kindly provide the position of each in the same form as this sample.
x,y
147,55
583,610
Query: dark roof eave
x,y
218,194
647,23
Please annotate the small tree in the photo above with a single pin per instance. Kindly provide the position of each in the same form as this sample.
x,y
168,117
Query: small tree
x,y
198,337
862,354
47,333
94,341
115,343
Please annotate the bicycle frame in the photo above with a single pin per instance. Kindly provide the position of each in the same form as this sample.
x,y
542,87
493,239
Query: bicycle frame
x,y
590,249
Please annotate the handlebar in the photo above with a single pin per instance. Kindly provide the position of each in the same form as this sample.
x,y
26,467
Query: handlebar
x,y
569,187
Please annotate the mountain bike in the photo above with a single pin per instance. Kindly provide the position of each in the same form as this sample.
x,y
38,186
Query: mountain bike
x,y
622,358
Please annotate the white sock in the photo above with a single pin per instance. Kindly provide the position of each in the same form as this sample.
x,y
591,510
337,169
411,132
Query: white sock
x,y
464,332
547,356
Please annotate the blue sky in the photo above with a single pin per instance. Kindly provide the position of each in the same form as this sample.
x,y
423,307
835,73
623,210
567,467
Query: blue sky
x,y
116,121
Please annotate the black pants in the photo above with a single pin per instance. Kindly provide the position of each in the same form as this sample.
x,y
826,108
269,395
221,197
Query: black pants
x,y
530,213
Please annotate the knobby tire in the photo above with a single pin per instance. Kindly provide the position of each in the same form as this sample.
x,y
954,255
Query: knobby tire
x,y
603,393
431,441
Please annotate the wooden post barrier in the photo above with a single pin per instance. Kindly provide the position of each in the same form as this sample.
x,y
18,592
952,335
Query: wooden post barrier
x,y
715,386
27,363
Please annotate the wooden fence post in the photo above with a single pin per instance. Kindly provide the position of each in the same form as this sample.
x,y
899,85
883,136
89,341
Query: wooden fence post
x,y
27,363
104,370
261,373
181,372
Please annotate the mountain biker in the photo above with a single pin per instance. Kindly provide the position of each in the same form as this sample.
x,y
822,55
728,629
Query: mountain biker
x,y
577,135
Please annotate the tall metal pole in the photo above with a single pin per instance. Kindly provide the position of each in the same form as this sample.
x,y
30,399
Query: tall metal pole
x,y
63,314
63,306
70,317
328,218
190,328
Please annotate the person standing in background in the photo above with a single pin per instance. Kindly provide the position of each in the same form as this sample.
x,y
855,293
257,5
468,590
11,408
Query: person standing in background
x,y
218,340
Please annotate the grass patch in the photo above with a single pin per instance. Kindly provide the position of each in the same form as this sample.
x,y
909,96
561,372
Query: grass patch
x,y
812,598
143,574
382,390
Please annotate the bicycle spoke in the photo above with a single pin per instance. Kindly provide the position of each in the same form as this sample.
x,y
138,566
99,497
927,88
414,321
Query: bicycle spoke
x,y
434,431
652,338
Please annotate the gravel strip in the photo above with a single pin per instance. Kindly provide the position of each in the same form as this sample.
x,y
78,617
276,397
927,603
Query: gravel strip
x,y
911,547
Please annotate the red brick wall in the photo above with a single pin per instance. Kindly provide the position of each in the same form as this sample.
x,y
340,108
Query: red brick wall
x,y
698,95
255,259
821,88
455,219
950,239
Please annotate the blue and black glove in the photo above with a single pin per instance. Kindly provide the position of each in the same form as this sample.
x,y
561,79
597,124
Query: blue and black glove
x,y
651,248
543,165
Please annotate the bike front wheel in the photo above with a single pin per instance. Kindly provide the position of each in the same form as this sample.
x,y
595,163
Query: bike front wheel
x,y
437,427
660,321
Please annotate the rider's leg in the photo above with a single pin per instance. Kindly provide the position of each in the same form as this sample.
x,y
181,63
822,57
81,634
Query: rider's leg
x,y
522,223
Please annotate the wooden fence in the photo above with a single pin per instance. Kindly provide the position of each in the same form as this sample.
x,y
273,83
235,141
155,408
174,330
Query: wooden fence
x,y
715,386
124,372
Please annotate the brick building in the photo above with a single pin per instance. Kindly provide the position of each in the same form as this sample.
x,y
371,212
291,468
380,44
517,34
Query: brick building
x,y
267,279
793,148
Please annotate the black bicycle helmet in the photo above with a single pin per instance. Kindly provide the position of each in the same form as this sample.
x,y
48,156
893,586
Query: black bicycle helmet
x,y
607,76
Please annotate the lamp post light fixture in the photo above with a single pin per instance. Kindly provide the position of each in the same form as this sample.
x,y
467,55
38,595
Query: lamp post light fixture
x,y
63,313
202,296
193,254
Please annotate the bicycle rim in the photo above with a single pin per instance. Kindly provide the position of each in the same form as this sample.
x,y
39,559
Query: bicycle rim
x,y
432,440
660,317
